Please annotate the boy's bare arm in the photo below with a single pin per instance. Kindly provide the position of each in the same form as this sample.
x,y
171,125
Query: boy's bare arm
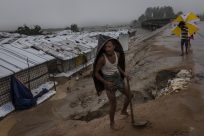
x,y
99,65
120,70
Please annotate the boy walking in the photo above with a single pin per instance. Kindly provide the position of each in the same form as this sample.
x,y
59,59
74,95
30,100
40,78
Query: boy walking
x,y
109,73
184,37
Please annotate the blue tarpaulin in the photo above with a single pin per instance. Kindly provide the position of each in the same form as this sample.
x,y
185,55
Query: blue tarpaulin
x,y
22,97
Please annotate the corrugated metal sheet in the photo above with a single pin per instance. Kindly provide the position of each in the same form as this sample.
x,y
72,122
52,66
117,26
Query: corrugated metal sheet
x,y
14,59
17,48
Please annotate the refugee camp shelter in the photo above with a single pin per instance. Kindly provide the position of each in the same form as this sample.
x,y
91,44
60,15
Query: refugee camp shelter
x,y
71,52
28,65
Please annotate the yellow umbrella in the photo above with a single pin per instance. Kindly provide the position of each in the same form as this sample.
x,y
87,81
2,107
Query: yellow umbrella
x,y
179,19
192,28
188,19
177,31
191,17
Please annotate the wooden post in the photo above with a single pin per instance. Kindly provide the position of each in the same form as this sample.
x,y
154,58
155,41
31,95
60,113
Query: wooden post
x,y
54,82
52,77
28,74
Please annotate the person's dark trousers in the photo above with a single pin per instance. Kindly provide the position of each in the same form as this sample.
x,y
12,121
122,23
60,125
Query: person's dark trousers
x,y
184,42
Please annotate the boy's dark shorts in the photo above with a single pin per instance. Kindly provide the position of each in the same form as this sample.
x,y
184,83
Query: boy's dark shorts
x,y
117,81
184,42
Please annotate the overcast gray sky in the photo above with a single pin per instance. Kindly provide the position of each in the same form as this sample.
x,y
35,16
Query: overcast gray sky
x,y
61,13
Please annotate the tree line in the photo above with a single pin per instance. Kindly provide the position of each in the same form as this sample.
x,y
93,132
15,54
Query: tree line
x,y
158,13
37,30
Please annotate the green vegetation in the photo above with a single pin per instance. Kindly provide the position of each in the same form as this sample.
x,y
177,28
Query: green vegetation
x,y
74,28
29,31
158,13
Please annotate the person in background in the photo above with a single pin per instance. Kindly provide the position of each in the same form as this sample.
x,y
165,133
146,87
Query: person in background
x,y
184,37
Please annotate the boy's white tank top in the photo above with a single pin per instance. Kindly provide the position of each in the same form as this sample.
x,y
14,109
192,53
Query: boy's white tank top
x,y
109,68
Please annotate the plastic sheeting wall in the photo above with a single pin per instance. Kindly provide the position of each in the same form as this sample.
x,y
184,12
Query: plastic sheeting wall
x,y
38,76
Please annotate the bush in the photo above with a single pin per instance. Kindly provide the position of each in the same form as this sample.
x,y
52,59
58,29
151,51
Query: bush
x,y
74,28
29,31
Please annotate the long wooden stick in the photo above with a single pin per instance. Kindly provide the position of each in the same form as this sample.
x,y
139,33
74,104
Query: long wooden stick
x,y
130,99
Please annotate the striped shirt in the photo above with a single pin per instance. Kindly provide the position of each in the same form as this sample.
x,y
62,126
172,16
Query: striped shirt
x,y
184,33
